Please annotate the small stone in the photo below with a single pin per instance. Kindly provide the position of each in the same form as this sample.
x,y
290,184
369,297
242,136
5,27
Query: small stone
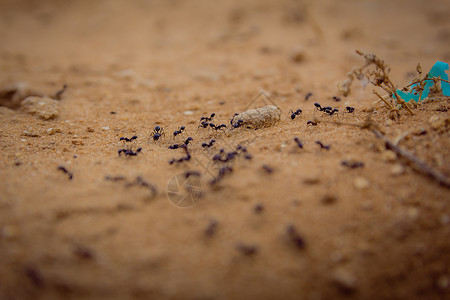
x,y
105,128
42,107
397,169
345,280
77,142
388,156
437,122
89,129
188,112
298,55
51,131
30,133
361,183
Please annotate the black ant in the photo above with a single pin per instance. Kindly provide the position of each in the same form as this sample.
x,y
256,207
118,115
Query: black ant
x,y
184,145
295,113
337,99
219,127
267,169
326,109
186,158
179,131
128,139
231,121
295,237
350,109
244,150
314,123
212,228
157,133
222,172
66,171
129,152
299,144
208,118
247,249
203,124
331,111
307,96
352,164
259,208
239,123
322,145
208,145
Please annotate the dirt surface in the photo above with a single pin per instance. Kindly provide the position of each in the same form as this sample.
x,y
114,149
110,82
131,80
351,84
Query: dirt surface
x,y
289,223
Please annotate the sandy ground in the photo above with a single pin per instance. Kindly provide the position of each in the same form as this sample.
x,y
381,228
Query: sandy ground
x,y
309,229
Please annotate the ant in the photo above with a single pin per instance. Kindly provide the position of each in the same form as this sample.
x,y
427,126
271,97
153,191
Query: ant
x,y
337,99
66,171
352,164
212,228
331,112
267,169
129,152
179,131
208,118
326,109
244,150
222,172
295,237
239,123
307,96
299,144
295,113
219,127
231,121
350,109
128,139
186,158
247,249
208,145
157,133
322,145
314,123
184,145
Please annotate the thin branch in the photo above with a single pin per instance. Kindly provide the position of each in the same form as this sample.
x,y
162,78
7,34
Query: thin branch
x,y
417,163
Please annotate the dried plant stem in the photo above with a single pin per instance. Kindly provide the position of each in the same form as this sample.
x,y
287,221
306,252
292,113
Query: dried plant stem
x,y
384,100
418,164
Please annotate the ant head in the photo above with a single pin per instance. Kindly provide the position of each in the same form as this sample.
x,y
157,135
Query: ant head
x,y
212,115
182,128
316,104
189,139
121,139
134,137
157,128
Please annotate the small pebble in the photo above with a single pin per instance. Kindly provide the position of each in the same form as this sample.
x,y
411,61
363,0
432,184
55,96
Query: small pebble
x,y
388,156
44,108
345,280
51,131
361,183
397,169
188,112
105,128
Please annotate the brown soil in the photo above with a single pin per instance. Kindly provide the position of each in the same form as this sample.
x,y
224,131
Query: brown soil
x,y
311,229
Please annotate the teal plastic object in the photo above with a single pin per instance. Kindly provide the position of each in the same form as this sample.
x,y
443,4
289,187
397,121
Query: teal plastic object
x,y
438,70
